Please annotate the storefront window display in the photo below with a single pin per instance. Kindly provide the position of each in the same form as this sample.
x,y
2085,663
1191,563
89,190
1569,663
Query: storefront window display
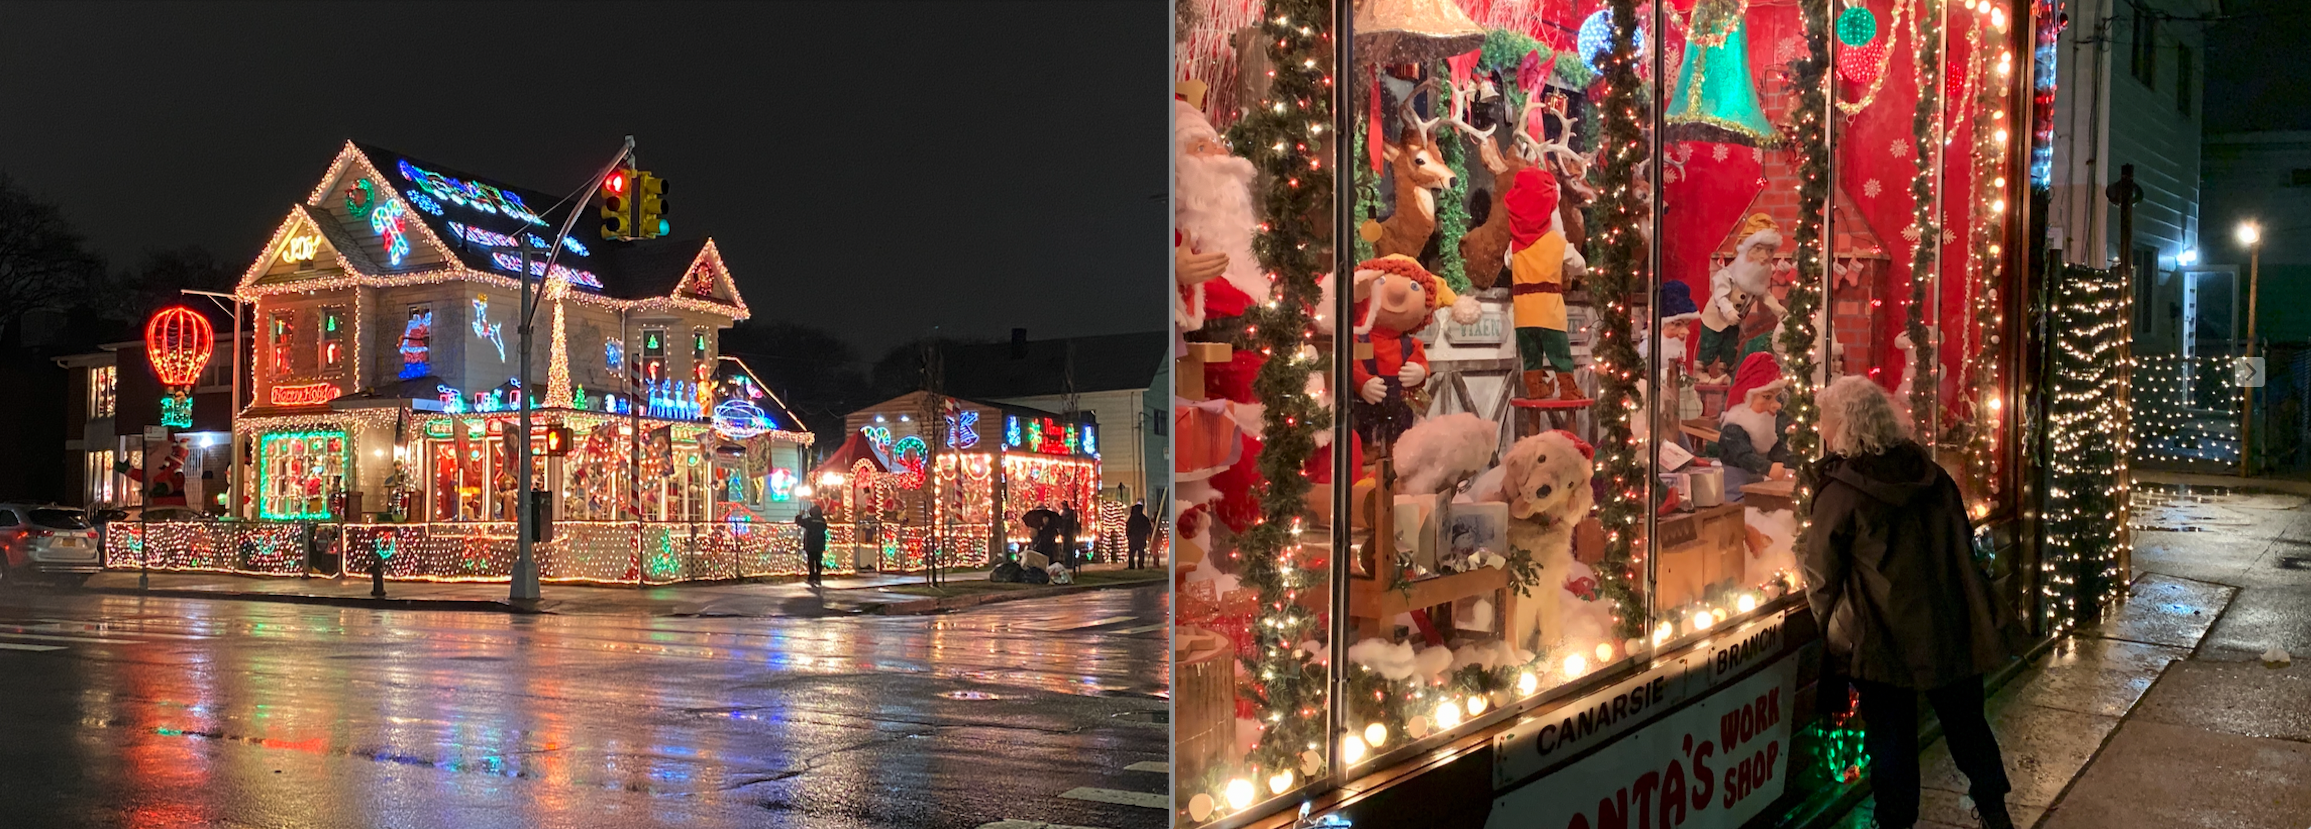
x,y
301,474
1602,256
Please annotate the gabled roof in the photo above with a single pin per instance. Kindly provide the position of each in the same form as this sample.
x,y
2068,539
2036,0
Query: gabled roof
x,y
1038,368
461,226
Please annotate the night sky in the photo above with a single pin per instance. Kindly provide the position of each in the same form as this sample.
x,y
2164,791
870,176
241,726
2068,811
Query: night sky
x,y
872,169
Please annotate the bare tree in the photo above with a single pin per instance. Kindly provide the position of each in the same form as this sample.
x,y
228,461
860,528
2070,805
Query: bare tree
x,y
45,265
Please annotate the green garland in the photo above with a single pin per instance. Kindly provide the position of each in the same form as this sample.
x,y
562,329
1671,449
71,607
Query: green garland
x,y
1924,213
1617,273
1367,184
1286,684
1809,137
1452,205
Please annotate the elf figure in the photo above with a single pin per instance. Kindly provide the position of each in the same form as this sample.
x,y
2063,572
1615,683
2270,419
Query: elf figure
x,y
1394,299
1750,431
1538,261
1732,289
1677,316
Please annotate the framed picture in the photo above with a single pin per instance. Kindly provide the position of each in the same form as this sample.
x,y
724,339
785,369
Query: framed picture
x,y
1470,530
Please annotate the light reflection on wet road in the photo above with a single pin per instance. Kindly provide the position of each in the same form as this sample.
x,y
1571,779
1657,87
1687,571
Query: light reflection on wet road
x,y
166,713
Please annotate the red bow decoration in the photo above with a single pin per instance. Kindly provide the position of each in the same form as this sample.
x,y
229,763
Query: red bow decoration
x,y
1584,587
1587,451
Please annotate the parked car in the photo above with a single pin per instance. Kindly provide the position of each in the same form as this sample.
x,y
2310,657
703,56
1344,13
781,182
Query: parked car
x,y
48,541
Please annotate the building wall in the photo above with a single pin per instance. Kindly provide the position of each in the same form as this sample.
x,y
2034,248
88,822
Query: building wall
x,y
2251,177
2106,117
1124,427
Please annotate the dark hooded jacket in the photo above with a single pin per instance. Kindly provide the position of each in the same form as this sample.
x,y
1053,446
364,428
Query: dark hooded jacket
x,y
1890,573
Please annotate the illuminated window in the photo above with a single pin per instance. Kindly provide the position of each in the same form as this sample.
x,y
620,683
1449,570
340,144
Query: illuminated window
x,y
653,366
301,474
700,368
103,388
102,481
278,330
333,325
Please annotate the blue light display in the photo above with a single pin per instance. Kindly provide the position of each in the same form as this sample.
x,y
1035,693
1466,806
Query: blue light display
x,y
963,430
423,202
1597,36
474,195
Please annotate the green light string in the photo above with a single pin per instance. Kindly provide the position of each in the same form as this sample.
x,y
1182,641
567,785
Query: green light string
x,y
1618,272
1799,339
1284,135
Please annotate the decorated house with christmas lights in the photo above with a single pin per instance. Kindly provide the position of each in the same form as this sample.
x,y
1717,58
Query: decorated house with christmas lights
x,y
383,371
925,472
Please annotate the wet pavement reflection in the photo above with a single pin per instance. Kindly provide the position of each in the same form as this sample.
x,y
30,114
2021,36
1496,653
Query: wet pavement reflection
x,y
135,712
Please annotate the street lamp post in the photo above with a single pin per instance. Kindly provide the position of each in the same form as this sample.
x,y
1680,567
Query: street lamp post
x,y
2252,237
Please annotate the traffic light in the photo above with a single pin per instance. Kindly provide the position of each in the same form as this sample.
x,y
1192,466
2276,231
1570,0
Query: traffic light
x,y
617,205
650,207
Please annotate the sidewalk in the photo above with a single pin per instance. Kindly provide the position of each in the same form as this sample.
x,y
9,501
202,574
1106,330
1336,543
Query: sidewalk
x,y
2164,715
886,593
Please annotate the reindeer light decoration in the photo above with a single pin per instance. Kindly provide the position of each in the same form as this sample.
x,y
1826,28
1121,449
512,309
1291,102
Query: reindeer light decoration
x,y
1419,170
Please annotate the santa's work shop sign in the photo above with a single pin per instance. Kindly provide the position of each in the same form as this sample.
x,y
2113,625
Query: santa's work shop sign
x,y
1713,764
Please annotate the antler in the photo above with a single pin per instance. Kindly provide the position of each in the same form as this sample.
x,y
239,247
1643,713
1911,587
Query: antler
x,y
1526,144
1412,119
1562,147
1459,117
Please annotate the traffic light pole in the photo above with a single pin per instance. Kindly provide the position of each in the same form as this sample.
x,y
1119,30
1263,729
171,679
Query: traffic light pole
x,y
524,589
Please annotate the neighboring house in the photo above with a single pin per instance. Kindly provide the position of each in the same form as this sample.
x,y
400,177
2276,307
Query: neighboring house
x,y
1123,380
112,409
2131,75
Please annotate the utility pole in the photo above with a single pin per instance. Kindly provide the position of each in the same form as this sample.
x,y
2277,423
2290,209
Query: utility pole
x,y
2253,237
524,588
234,480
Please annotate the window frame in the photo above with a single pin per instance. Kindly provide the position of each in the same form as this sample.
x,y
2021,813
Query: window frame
x,y
103,392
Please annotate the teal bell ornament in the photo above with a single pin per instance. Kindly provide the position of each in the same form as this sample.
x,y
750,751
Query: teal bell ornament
x,y
1715,100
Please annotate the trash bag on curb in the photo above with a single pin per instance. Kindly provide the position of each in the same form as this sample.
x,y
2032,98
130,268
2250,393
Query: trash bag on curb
x,y
1006,572
1033,576
1059,574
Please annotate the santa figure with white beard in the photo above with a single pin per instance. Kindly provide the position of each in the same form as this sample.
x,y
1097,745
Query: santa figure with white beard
x,y
1745,280
1212,246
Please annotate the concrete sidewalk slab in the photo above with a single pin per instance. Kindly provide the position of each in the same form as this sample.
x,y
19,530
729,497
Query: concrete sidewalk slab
x,y
2160,776
2242,698
2164,610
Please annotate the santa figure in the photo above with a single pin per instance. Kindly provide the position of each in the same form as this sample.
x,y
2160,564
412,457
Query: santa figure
x,y
165,487
1539,260
416,344
1212,244
1733,288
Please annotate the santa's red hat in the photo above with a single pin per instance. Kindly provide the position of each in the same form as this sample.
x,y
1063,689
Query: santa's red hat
x,y
1759,374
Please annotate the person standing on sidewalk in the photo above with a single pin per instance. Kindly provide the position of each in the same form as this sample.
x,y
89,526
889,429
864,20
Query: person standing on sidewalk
x,y
1067,530
814,540
1903,607
1136,531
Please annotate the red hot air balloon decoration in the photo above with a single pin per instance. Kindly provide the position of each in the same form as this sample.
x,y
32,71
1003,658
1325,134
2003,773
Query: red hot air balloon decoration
x,y
179,343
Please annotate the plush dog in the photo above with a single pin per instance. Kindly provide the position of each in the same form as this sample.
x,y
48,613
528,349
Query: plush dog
x,y
1545,481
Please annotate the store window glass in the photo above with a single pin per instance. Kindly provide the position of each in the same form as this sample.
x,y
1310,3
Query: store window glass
x,y
1254,429
103,391
301,474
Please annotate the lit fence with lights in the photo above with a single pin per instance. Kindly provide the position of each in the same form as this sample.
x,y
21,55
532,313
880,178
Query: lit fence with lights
x,y
2186,411
603,552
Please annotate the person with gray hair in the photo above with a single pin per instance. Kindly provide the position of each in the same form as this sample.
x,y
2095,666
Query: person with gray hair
x,y
1903,607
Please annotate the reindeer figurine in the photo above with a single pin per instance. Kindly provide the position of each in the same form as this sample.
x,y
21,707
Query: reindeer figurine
x,y
1484,248
1418,164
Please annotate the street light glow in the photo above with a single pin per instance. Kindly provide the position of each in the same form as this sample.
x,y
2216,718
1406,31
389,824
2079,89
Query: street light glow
x,y
2249,234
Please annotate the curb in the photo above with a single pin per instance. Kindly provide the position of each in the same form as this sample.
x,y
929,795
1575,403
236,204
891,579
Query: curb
x,y
463,605
946,603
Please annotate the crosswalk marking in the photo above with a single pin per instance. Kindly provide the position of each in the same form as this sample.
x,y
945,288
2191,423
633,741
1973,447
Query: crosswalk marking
x,y
89,639
1015,823
16,647
1142,629
1156,766
1118,797
70,626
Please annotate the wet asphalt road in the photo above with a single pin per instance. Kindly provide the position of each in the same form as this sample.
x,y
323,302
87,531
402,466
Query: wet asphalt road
x,y
128,712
